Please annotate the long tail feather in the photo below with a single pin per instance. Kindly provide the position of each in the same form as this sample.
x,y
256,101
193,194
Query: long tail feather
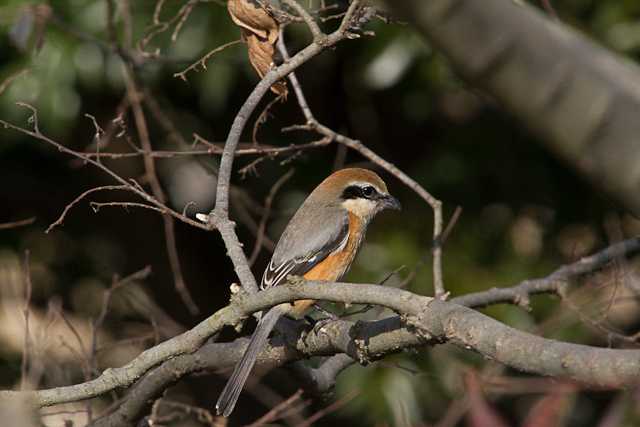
x,y
229,396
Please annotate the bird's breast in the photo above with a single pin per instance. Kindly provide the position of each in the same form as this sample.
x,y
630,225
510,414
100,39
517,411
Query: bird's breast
x,y
336,264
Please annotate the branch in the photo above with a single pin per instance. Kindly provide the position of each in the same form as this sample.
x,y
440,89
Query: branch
x,y
313,125
16,224
77,200
219,217
128,184
421,320
151,174
424,319
555,282
307,18
578,96
262,228
202,62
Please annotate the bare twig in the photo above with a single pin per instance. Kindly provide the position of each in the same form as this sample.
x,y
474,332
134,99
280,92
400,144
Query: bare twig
x,y
202,62
16,224
308,19
451,224
106,300
267,150
329,409
81,353
158,192
26,354
7,82
274,413
96,206
555,282
313,125
128,184
75,201
159,27
265,216
220,215
263,117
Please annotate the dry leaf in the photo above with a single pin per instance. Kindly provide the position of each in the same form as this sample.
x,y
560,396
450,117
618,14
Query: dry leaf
x,y
260,31
249,15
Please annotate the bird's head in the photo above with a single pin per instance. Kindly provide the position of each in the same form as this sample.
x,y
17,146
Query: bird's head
x,y
359,191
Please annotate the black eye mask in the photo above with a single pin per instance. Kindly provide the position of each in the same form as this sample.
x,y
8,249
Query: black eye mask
x,y
357,192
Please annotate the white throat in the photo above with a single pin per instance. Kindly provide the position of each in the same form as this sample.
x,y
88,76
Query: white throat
x,y
362,208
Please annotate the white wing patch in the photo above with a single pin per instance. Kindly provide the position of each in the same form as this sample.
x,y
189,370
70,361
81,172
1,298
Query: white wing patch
x,y
342,244
273,274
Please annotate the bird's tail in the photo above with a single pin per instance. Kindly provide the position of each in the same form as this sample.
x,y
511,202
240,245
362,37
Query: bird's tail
x,y
229,396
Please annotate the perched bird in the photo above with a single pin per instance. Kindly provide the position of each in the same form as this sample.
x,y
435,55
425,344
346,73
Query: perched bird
x,y
319,243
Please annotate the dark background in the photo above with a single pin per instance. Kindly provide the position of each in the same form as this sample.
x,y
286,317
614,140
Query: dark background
x,y
524,212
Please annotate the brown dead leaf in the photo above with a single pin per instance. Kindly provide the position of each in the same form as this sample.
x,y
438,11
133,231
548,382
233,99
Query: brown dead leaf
x,y
260,31
261,58
249,15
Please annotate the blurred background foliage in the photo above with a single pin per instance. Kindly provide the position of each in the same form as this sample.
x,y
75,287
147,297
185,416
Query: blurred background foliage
x,y
524,214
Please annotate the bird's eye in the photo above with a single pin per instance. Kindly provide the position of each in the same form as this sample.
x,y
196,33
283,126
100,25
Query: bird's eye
x,y
368,191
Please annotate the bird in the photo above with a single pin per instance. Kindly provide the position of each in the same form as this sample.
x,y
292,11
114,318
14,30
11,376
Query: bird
x,y
319,243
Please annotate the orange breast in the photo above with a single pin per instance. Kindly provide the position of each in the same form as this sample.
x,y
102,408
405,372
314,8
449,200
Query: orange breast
x,y
336,264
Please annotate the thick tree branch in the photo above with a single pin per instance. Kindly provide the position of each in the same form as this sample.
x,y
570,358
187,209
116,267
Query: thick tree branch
x,y
581,98
421,319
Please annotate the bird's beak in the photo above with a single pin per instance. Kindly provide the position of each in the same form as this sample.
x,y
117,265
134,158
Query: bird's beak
x,y
390,202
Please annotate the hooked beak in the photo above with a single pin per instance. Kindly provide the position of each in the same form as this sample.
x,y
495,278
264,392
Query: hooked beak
x,y
390,202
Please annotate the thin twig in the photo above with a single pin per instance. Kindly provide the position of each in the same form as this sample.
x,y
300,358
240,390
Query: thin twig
x,y
553,283
451,224
202,62
96,206
159,27
97,323
277,410
16,224
128,184
308,19
263,116
149,164
75,201
26,355
313,125
329,409
265,216
7,82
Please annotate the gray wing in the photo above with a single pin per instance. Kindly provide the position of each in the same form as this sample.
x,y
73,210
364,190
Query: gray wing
x,y
312,234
